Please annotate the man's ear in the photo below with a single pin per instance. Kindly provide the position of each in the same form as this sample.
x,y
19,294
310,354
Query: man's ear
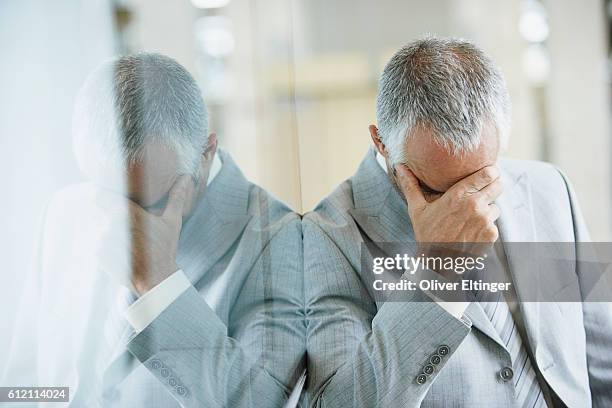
x,y
211,147
206,161
380,146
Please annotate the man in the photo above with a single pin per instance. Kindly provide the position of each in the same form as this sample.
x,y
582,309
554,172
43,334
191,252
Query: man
x,y
169,279
434,176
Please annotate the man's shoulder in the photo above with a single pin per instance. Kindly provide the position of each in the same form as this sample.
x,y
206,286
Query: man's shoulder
x,y
267,211
548,189
259,204
335,208
521,166
541,174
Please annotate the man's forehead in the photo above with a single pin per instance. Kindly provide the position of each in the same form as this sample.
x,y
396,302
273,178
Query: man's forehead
x,y
438,169
150,179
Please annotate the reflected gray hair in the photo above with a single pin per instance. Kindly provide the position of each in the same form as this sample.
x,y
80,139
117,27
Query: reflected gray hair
x,y
131,101
448,86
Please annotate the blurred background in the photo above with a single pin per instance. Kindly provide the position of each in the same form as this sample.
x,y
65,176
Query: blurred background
x,y
291,85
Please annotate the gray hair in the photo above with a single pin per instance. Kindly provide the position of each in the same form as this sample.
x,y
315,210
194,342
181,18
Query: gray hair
x,y
131,101
448,86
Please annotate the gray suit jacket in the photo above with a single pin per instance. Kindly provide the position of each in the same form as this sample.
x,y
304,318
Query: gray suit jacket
x,y
235,338
364,354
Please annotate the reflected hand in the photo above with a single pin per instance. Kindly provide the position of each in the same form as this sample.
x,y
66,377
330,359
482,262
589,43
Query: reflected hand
x,y
138,247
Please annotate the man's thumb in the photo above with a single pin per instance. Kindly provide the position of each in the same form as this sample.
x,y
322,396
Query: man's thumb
x,y
409,185
178,196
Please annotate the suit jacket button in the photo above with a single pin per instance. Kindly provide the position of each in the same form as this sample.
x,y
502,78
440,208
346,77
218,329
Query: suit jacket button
x,y
165,372
172,382
156,364
443,350
506,374
421,379
428,369
180,390
435,359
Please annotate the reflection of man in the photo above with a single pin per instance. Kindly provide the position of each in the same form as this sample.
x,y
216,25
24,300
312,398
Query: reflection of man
x,y
434,176
215,316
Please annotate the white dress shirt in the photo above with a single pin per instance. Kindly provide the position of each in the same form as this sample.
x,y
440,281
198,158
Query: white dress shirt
x,y
150,305
455,308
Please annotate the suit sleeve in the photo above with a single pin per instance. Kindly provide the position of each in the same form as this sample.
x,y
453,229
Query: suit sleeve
x,y
359,356
190,350
597,318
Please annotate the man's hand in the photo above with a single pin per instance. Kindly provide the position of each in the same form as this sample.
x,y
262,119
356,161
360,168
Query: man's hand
x,y
463,214
139,248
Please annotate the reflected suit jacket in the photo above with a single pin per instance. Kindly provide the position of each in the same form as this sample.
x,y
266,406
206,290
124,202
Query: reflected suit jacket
x,y
362,353
233,338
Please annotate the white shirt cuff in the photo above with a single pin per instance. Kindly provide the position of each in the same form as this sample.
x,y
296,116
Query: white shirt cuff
x,y
146,309
454,308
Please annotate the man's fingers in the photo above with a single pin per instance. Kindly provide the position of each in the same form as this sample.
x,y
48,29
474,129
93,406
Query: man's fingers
x,y
477,181
177,197
409,185
492,191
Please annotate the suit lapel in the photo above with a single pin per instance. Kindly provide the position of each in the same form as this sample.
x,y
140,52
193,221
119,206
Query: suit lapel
x,y
516,225
218,221
379,209
481,321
